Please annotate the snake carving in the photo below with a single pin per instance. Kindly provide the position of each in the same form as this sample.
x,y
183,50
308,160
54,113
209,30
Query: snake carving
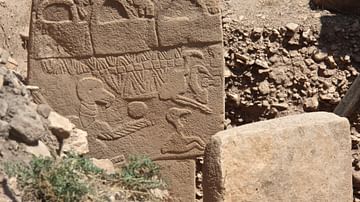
x,y
180,142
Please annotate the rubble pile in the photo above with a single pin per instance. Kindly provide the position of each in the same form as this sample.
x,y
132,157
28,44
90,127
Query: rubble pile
x,y
274,72
28,129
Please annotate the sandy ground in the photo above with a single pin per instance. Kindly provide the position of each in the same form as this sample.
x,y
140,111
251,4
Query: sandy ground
x,y
14,20
271,13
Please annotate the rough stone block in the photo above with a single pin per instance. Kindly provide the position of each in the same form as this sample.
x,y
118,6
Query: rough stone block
x,y
179,176
175,31
60,39
297,158
141,77
110,67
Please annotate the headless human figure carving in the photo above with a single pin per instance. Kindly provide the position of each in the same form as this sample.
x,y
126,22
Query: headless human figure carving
x,y
177,82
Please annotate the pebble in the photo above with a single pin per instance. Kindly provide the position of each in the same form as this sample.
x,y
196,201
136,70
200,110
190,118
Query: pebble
x,y
281,106
264,88
293,27
311,104
331,62
320,56
262,63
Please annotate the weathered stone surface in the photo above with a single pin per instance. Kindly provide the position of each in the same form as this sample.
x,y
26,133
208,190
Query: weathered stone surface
x,y
44,110
4,128
77,142
27,128
104,164
179,175
38,150
150,79
3,108
60,126
297,158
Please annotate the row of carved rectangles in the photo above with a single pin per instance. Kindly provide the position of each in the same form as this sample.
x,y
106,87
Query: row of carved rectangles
x,y
147,65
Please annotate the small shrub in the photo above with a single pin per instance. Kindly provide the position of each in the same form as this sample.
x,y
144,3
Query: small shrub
x,y
74,178
141,173
55,180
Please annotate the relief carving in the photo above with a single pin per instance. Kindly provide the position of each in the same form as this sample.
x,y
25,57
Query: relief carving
x,y
83,8
57,11
179,76
91,93
140,76
138,8
176,83
180,141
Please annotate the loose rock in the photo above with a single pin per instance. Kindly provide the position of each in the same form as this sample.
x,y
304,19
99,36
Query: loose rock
x,y
77,142
44,110
60,126
265,152
27,128
39,150
311,104
293,27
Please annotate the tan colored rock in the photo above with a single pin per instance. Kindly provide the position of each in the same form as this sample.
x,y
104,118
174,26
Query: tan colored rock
x,y
38,150
264,87
77,142
319,56
104,164
298,158
293,27
311,104
140,76
60,126
44,110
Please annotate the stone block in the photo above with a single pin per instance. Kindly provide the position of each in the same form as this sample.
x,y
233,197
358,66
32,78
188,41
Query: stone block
x,y
60,39
77,142
60,126
175,31
108,66
179,176
297,158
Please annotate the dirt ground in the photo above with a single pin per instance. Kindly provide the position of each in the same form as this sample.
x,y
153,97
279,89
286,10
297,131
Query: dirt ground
x,y
334,35
271,12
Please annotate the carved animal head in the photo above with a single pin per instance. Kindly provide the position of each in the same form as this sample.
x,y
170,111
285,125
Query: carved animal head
x,y
175,114
91,90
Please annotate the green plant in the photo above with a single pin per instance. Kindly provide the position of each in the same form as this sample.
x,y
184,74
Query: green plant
x,y
141,173
139,177
64,180
75,178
